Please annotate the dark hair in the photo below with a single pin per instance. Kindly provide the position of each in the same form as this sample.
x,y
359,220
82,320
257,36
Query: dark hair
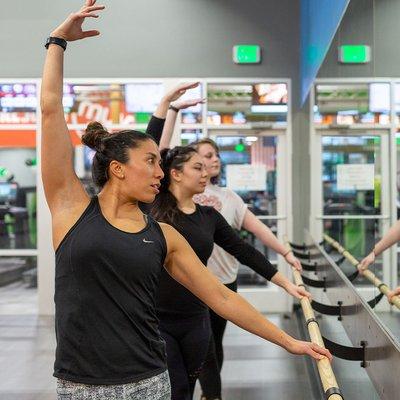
x,y
214,179
165,206
109,147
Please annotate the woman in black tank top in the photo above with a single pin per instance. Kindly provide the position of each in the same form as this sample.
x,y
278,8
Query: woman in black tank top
x,y
109,256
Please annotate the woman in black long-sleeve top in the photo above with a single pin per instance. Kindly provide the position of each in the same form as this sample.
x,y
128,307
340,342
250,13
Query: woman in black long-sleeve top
x,y
184,319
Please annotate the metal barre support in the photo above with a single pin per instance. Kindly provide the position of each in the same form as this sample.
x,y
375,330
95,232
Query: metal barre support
x,y
383,352
348,353
340,309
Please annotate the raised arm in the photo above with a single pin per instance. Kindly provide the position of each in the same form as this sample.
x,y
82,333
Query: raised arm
x,y
184,266
392,236
157,122
64,192
252,224
172,114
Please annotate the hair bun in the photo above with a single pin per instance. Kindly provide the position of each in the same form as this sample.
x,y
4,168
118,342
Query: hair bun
x,y
93,136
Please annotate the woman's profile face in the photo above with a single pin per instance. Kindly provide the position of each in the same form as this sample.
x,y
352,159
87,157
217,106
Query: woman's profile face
x,y
210,158
193,176
143,172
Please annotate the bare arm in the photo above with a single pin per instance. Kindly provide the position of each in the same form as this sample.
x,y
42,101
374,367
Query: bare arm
x,y
185,267
168,130
65,195
226,237
392,236
172,115
252,224
59,179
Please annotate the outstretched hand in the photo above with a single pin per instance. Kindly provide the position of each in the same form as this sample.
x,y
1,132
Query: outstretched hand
x,y
366,262
297,291
175,93
394,293
293,261
183,104
71,28
311,349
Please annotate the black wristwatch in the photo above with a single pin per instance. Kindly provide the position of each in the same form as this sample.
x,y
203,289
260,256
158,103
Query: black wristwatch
x,y
55,40
171,107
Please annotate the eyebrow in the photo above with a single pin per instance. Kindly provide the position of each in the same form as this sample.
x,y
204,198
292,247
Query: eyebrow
x,y
199,164
152,154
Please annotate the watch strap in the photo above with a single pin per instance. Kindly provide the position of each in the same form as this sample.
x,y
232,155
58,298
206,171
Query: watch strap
x,y
171,107
55,40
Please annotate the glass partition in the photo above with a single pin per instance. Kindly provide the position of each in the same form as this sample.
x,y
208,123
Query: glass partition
x,y
345,158
249,167
18,125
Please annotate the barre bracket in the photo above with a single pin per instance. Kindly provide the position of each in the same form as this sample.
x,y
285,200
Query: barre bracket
x,y
340,309
322,284
348,353
315,283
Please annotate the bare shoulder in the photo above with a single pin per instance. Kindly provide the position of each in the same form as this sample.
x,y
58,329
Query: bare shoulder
x,y
170,233
175,241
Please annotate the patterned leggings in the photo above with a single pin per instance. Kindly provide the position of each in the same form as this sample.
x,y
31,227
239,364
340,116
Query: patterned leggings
x,y
155,388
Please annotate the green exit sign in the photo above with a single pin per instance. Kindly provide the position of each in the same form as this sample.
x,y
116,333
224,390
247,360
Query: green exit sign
x,y
350,54
246,54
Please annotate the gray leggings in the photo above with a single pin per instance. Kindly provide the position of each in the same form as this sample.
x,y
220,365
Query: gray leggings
x,y
155,388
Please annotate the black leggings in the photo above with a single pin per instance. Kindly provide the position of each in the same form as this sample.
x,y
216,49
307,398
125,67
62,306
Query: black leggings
x,y
210,376
187,342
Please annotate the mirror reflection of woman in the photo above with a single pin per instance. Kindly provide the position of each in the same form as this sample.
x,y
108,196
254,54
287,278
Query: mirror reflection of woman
x,y
388,240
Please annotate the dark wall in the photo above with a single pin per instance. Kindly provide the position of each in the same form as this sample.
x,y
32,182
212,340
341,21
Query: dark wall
x,y
371,22
155,38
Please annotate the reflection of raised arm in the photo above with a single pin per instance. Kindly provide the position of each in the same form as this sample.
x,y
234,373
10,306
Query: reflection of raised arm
x,y
168,130
156,124
172,115
392,236
252,224
185,267
64,192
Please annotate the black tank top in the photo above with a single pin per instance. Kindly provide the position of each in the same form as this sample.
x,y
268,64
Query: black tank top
x,y
106,284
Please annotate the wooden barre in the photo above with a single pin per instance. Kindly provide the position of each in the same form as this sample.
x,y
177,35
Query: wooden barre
x,y
382,287
325,371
